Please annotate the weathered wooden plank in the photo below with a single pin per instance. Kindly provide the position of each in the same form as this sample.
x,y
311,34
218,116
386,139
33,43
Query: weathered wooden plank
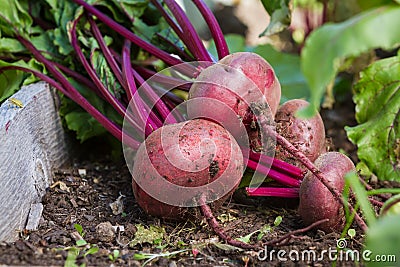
x,y
32,143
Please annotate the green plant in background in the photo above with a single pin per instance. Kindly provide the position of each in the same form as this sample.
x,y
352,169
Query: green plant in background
x,y
45,23
262,231
377,98
382,239
345,32
114,255
148,257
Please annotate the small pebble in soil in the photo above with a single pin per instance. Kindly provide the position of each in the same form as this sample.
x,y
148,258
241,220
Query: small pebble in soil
x,y
82,172
105,232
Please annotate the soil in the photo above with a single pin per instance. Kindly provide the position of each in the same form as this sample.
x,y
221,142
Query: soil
x,y
86,200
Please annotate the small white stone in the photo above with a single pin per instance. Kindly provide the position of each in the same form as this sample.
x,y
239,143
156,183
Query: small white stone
x,y
82,172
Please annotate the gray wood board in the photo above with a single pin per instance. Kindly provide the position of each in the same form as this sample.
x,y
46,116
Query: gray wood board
x,y
32,144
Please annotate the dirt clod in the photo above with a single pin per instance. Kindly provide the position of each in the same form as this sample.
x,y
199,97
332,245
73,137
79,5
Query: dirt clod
x,y
105,232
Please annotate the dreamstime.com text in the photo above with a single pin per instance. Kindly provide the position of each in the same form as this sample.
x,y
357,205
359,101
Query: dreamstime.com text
x,y
339,253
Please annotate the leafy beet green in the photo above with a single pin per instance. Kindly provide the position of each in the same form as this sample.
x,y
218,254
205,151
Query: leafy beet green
x,y
46,25
279,11
377,98
368,30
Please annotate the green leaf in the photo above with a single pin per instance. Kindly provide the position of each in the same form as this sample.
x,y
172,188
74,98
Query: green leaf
x,y
278,220
14,14
12,80
391,206
133,9
328,46
106,75
287,69
361,196
78,120
383,239
140,256
83,124
364,5
226,247
81,242
79,229
351,232
378,191
144,235
63,12
72,255
280,16
10,45
377,98
143,30
92,250
263,231
246,179
246,238
116,253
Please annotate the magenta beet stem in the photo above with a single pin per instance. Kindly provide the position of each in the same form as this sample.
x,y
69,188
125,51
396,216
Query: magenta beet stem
x,y
273,174
215,29
277,164
273,192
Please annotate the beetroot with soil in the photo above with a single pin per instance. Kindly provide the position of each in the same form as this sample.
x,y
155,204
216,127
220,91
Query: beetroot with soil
x,y
188,154
237,81
307,135
316,202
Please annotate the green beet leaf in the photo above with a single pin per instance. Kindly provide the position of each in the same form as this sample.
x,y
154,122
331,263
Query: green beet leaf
x,y
377,99
327,47
280,15
15,13
383,242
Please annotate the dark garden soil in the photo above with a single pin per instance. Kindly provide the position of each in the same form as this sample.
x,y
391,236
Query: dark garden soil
x,y
123,226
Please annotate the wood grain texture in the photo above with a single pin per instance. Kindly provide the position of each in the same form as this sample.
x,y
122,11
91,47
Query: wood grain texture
x,y
32,143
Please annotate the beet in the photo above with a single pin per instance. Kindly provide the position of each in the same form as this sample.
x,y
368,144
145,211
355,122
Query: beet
x,y
307,135
316,201
179,163
239,82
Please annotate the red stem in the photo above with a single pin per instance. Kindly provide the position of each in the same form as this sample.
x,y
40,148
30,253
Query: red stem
x,y
66,88
273,192
163,79
176,28
106,52
118,106
375,202
164,56
277,164
273,174
155,99
215,29
140,110
195,45
213,223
